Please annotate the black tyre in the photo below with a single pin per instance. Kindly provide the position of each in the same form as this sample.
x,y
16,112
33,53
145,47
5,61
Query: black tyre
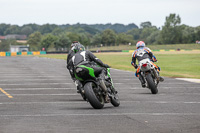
x,y
115,100
95,100
151,83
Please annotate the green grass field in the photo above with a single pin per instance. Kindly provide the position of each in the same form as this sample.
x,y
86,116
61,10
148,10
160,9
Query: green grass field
x,y
173,64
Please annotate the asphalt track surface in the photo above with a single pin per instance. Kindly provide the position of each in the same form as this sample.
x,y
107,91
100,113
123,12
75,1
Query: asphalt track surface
x,y
38,96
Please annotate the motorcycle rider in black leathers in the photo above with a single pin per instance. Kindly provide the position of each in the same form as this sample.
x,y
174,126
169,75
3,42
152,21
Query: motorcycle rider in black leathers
x,y
82,57
141,53
69,57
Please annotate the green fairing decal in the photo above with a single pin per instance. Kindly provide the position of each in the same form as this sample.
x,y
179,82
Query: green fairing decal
x,y
91,70
108,71
78,78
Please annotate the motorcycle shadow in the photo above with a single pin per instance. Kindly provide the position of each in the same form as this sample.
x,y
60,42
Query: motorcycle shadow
x,y
87,108
71,100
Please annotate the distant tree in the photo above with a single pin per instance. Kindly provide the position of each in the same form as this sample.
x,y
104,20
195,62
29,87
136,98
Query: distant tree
x,y
145,24
62,42
47,28
73,36
57,31
119,28
90,30
34,27
197,33
84,39
5,44
26,30
109,37
154,37
3,28
13,29
146,32
34,40
135,33
123,38
96,39
48,40
171,31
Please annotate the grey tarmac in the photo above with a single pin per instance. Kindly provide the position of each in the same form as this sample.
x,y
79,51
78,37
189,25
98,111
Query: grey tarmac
x,y
37,95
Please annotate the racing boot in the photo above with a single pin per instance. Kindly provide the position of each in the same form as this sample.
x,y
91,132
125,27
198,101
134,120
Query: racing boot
x,y
161,79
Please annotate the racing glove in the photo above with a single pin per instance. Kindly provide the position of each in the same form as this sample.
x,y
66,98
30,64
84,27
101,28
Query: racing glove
x,y
106,66
136,66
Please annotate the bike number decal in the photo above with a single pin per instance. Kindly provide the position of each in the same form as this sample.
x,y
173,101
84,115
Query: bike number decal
x,y
141,53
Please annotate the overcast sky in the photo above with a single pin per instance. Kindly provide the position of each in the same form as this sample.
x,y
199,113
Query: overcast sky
x,y
22,12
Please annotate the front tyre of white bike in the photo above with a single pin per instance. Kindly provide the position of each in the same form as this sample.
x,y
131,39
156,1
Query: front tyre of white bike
x,y
151,84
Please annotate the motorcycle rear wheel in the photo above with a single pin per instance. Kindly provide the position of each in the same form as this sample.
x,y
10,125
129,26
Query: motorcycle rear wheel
x,y
96,100
151,84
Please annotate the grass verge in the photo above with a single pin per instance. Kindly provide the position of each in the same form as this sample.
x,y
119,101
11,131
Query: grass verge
x,y
152,47
173,64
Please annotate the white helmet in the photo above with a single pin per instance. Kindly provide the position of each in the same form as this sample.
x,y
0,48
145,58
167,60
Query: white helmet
x,y
140,44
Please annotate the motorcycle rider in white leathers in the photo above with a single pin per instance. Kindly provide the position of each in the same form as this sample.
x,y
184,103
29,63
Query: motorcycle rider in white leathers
x,y
141,53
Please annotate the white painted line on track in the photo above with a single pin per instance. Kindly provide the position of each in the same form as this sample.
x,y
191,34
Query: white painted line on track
x,y
38,84
73,94
134,88
190,80
121,77
137,83
159,88
32,76
105,114
161,83
66,102
179,87
61,79
125,71
23,89
81,102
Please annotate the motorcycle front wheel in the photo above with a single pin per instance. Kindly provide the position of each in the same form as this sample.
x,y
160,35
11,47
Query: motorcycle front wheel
x,y
115,100
95,99
151,84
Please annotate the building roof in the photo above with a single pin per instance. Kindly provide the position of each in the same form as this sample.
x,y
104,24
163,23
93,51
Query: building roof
x,y
18,46
2,37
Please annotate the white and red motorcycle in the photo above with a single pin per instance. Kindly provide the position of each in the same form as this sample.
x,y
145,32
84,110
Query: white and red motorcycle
x,y
151,76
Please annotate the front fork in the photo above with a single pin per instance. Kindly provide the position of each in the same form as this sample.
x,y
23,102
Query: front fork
x,y
111,88
109,76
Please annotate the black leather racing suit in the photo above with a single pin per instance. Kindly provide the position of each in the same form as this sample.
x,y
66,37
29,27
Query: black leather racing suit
x,y
70,67
87,58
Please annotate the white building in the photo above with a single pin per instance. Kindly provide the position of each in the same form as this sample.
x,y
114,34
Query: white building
x,y
19,48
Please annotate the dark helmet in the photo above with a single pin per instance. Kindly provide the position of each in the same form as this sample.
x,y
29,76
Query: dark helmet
x,y
74,43
78,47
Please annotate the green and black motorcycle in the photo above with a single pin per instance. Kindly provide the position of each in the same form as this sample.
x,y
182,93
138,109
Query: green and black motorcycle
x,y
91,90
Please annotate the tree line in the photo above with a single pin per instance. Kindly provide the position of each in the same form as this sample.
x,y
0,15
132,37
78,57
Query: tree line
x,y
60,36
